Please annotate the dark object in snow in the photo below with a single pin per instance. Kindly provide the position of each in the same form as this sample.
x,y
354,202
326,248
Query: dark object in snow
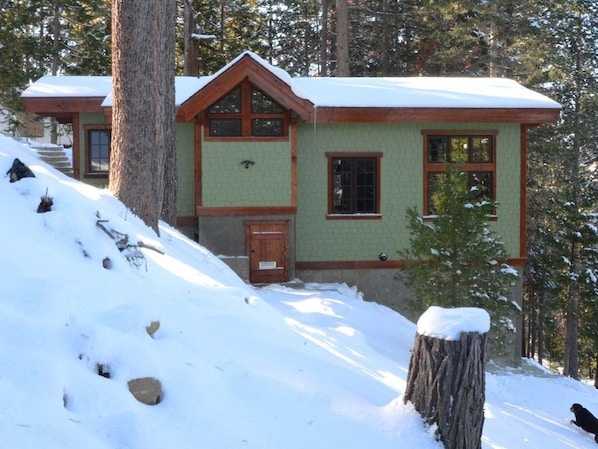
x,y
107,263
19,171
152,328
585,420
103,370
45,204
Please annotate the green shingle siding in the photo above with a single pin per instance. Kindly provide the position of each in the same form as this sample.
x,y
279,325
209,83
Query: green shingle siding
x,y
319,239
185,161
227,183
186,169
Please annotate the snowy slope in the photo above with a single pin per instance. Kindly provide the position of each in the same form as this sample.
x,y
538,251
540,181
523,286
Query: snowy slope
x,y
240,367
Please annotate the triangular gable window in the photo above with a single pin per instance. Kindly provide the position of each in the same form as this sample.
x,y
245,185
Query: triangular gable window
x,y
246,111
230,104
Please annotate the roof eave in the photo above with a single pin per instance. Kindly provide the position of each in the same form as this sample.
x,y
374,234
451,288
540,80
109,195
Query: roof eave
x,y
528,116
61,107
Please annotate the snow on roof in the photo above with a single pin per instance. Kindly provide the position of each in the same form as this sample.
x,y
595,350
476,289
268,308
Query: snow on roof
x,y
185,87
421,92
69,86
448,324
397,92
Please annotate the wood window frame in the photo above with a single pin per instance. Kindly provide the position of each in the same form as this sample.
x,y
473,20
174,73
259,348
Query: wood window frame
x,y
439,167
331,215
87,129
247,116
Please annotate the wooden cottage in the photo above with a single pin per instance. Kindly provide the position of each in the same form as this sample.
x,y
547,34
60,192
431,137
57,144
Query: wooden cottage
x,y
310,178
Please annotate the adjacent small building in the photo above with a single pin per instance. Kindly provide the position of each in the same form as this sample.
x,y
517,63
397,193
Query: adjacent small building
x,y
310,178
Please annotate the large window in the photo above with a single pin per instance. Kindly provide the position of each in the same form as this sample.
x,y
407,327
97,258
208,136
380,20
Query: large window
x,y
97,141
354,185
475,151
247,112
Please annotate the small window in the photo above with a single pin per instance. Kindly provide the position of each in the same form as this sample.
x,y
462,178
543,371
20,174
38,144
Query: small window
x,y
479,182
98,150
466,149
225,127
474,150
247,112
267,127
354,185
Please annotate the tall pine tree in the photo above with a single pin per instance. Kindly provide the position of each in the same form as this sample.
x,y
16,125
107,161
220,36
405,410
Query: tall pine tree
x,y
569,64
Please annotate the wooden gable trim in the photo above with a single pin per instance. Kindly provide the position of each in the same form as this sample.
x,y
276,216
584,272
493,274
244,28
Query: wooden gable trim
x,y
262,78
434,115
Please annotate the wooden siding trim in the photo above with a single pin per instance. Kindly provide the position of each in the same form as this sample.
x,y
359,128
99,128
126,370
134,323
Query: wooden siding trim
x,y
350,265
459,132
244,211
76,147
209,138
523,194
294,178
197,169
435,115
370,264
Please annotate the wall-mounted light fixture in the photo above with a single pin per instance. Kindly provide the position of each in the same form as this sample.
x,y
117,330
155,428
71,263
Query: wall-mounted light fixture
x,y
383,257
247,163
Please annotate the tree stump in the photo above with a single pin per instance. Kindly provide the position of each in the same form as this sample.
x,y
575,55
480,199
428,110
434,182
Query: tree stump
x,y
446,384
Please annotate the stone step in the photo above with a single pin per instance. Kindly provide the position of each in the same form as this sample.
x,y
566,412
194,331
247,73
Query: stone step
x,y
55,156
58,158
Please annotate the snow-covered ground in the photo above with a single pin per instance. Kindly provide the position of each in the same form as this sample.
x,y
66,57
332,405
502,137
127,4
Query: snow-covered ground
x,y
240,367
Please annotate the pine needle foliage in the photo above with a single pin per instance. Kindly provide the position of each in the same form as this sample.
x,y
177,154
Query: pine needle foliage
x,y
454,258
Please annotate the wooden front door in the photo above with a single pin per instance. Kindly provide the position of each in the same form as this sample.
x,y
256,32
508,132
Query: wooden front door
x,y
268,251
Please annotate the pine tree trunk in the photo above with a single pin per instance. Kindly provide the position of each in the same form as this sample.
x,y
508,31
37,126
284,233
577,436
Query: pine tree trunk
x,y
446,384
191,44
324,40
167,30
342,38
140,112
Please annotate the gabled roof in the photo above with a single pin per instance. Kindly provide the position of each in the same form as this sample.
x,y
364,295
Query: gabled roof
x,y
388,99
275,82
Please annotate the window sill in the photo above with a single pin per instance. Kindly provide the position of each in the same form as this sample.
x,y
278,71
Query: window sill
x,y
353,216
96,175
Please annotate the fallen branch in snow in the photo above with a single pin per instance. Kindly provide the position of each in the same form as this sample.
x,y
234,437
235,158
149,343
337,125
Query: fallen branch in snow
x,y
153,248
130,251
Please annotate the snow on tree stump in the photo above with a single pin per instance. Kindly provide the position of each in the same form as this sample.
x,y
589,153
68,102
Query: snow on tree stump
x,y
446,380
